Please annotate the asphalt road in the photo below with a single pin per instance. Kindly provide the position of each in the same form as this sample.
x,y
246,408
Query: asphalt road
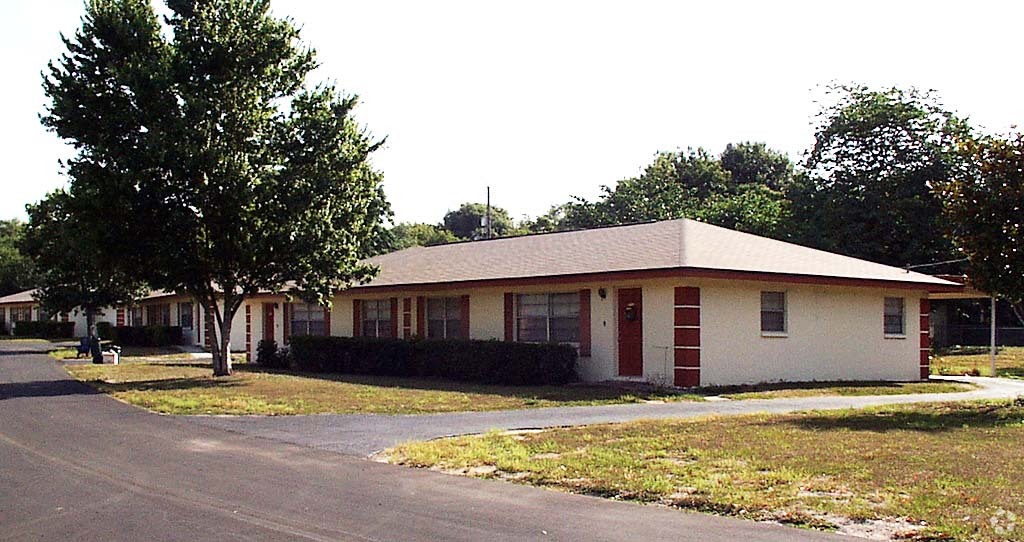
x,y
76,465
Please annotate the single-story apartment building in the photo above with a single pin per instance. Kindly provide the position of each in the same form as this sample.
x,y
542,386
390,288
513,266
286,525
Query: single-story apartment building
x,y
675,302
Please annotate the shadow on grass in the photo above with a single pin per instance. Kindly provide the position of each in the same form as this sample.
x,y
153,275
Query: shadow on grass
x,y
164,384
1011,372
936,419
781,386
566,393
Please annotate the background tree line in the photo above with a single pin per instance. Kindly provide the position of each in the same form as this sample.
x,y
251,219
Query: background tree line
x,y
867,188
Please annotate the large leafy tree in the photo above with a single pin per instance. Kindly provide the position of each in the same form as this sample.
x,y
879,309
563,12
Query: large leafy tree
x,y
467,222
876,158
208,165
72,276
17,271
983,204
743,188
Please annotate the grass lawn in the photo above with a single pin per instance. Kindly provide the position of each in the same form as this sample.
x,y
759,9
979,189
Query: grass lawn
x,y
942,471
170,382
974,360
176,387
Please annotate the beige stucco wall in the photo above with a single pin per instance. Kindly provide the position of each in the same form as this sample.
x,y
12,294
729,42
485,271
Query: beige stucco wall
x,y
833,332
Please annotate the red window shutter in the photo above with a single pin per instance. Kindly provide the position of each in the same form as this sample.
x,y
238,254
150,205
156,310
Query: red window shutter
x,y
509,320
285,314
464,316
327,321
585,323
357,318
394,317
421,316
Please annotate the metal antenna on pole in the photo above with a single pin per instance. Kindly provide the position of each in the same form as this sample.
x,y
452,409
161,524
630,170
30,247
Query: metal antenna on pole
x,y
488,212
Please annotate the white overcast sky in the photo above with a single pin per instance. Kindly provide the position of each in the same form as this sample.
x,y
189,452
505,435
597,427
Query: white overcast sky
x,y
545,100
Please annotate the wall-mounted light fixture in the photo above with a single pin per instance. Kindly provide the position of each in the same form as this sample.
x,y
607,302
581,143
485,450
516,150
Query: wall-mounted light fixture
x,y
602,293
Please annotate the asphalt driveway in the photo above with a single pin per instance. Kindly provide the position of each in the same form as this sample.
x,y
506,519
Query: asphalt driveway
x,y
78,465
365,434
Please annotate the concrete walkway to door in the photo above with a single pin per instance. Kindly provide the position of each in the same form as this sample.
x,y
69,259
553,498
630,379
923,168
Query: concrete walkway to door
x,y
365,434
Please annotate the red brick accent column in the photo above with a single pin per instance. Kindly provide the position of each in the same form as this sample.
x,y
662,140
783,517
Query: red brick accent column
x,y
119,318
926,340
407,318
464,316
248,332
686,328
421,316
509,318
210,327
357,318
394,317
584,323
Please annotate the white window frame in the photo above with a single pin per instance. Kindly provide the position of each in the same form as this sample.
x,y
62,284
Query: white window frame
x,y
445,320
364,330
547,318
785,315
903,318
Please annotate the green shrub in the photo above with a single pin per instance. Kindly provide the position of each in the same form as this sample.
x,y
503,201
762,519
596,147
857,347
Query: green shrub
x,y
105,330
268,355
47,329
488,362
142,335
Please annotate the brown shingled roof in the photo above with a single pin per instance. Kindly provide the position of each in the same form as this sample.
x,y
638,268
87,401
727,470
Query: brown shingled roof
x,y
669,245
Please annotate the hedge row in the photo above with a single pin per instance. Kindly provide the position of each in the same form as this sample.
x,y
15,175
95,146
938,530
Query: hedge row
x,y
140,335
44,330
487,362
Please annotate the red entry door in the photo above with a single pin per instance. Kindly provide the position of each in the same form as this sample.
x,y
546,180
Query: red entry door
x,y
631,332
268,321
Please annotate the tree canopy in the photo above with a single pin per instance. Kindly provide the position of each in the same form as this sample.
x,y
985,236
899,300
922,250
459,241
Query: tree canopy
x,y
411,234
984,211
742,188
71,276
467,222
877,156
207,164
17,271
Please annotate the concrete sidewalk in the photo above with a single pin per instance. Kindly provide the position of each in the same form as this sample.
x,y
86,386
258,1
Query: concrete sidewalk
x,y
365,434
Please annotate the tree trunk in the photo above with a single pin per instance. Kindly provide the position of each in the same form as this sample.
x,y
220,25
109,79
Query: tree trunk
x,y
90,320
222,349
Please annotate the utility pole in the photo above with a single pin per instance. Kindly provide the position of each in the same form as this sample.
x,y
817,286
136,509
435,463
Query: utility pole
x,y
488,212
992,339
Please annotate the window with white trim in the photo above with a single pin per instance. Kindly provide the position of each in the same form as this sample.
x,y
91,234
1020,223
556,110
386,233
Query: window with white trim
x,y
158,315
185,315
444,318
548,318
21,314
376,317
135,316
895,316
307,319
773,312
